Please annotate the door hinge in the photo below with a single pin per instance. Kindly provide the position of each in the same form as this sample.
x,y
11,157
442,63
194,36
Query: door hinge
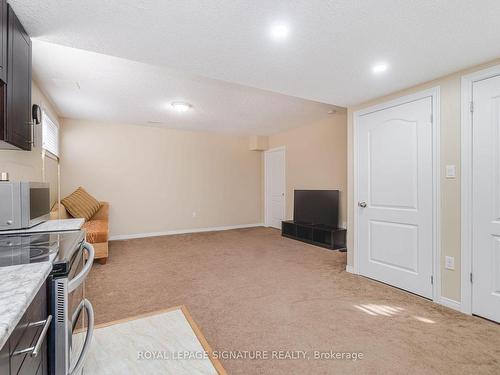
x,y
472,107
471,277
432,280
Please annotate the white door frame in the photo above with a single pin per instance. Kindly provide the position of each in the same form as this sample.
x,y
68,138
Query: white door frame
x,y
266,203
434,93
466,182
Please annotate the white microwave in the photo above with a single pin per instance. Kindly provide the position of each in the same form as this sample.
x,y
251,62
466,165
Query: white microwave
x,y
23,204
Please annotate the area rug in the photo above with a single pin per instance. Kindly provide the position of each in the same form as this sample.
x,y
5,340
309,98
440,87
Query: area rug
x,y
163,342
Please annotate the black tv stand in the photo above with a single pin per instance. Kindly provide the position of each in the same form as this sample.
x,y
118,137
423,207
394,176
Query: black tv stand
x,y
315,234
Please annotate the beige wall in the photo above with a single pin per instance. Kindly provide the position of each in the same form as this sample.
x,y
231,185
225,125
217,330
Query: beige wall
x,y
316,158
155,179
450,188
29,166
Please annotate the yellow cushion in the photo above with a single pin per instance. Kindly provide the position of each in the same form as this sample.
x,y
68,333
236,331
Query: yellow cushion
x,y
81,204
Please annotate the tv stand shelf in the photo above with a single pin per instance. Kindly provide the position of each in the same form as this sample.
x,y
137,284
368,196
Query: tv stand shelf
x,y
315,234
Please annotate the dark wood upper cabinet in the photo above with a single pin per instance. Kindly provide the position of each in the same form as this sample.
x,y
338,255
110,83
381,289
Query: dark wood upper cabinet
x,y
18,130
15,90
3,40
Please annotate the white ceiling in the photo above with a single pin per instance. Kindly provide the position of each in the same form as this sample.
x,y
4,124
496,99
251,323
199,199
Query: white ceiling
x,y
329,54
91,86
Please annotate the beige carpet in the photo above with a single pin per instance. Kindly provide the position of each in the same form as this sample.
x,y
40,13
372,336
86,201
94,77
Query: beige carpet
x,y
252,290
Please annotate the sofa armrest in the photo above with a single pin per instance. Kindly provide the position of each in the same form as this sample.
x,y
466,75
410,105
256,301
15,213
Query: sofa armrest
x,y
103,212
59,212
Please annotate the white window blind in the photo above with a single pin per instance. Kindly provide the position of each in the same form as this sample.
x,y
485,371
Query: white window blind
x,y
50,135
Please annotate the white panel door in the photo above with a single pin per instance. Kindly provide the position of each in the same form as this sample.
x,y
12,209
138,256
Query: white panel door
x,y
395,191
275,187
486,199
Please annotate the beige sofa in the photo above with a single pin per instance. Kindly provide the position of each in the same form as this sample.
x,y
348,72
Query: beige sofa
x,y
96,229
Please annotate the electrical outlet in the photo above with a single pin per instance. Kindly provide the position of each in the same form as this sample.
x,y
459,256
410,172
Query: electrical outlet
x,y
449,263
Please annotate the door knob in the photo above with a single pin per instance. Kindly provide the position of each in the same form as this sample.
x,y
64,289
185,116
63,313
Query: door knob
x,y
362,204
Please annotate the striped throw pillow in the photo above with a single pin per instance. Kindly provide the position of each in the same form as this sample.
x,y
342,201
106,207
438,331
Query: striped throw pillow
x,y
81,204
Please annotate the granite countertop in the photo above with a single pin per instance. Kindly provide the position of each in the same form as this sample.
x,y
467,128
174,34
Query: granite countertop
x,y
18,286
59,225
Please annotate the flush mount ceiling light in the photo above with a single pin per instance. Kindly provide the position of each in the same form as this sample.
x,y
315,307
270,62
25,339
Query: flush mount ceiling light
x,y
380,68
181,106
280,31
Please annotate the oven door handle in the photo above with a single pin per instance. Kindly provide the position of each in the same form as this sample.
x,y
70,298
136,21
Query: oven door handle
x,y
76,369
78,279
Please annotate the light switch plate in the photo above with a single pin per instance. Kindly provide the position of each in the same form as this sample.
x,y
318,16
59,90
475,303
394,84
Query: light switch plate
x,y
451,171
449,263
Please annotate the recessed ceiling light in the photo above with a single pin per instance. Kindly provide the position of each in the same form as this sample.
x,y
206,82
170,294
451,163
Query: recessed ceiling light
x,y
280,31
181,106
380,68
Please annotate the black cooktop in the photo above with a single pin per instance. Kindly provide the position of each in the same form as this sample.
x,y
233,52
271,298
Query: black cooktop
x,y
16,249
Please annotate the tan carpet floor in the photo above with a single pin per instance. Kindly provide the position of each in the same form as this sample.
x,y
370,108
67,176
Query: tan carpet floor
x,y
252,290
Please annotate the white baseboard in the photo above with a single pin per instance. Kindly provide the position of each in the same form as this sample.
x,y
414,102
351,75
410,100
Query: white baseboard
x,y
181,231
452,304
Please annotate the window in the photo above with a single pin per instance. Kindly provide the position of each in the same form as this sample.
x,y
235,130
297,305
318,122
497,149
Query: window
x,y
50,135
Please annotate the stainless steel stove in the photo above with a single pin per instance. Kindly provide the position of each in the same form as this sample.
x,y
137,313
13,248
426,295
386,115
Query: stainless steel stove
x,y
17,249
72,326
58,247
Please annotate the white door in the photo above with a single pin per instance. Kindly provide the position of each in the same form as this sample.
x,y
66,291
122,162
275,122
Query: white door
x,y
275,187
486,199
395,192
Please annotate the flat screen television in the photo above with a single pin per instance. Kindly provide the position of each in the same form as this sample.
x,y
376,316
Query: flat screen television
x,y
316,207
